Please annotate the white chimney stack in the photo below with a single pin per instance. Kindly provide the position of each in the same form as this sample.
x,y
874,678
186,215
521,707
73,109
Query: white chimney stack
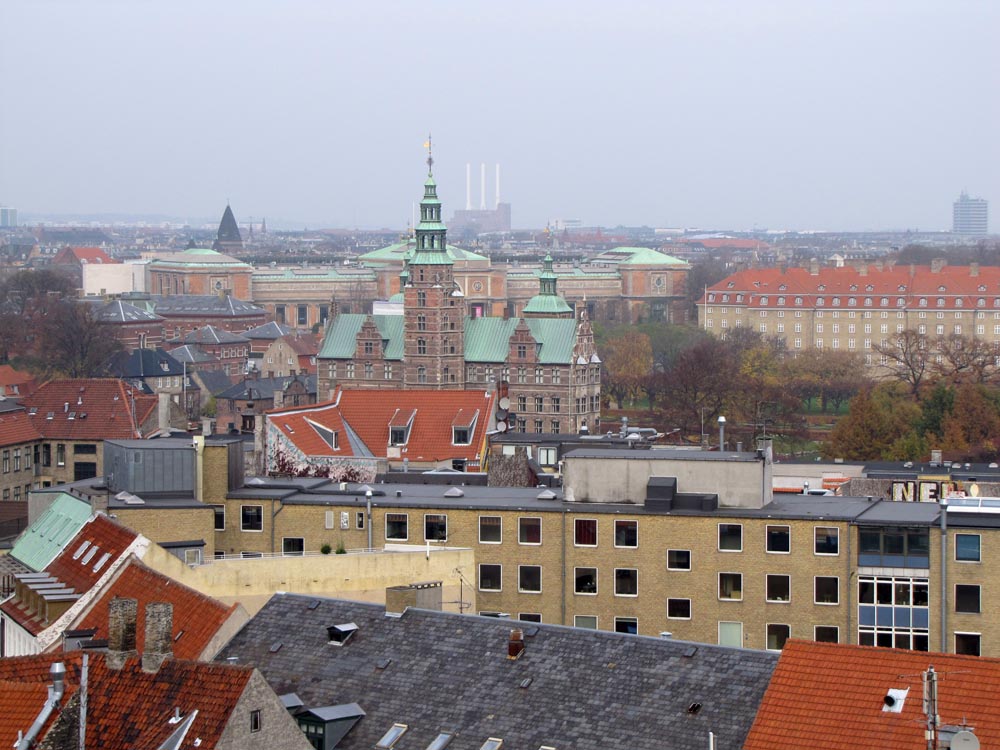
x,y
468,186
482,187
498,187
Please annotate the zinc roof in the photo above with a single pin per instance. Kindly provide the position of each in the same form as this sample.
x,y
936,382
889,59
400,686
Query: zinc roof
x,y
340,341
488,339
45,538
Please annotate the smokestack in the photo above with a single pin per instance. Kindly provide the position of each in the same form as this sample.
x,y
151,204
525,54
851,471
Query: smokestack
x,y
121,631
482,187
468,186
159,641
498,187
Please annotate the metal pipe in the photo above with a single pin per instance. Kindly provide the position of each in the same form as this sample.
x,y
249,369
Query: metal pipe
x,y
368,520
83,701
468,186
56,690
944,575
498,187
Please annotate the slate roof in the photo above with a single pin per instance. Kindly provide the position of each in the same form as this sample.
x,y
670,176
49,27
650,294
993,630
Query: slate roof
x,y
571,688
88,409
211,335
145,363
196,617
826,696
269,331
127,709
213,381
192,354
368,413
117,311
50,532
486,339
17,427
265,387
176,305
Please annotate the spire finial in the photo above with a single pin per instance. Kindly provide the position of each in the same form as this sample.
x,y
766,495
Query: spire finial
x,y
430,157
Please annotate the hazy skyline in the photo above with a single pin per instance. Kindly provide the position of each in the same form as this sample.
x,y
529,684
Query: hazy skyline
x,y
798,114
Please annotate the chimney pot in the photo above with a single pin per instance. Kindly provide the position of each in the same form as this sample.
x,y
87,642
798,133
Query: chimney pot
x,y
515,646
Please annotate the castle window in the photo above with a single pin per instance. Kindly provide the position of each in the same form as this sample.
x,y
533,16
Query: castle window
x,y
369,370
539,376
421,346
421,374
421,296
421,322
369,348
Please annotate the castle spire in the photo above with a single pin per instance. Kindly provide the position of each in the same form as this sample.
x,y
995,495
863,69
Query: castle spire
x,y
431,233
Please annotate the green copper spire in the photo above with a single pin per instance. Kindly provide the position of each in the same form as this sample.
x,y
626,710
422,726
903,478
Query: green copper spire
x,y
431,233
547,302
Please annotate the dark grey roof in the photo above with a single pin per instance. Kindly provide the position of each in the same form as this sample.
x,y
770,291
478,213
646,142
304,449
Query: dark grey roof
x,y
269,331
214,381
265,387
892,513
116,311
571,688
212,335
202,304
145,363
662,453
191,354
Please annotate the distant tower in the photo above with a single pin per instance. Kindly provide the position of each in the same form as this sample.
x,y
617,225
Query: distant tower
x,y
263,226
970,215
229,239
433,306
547,303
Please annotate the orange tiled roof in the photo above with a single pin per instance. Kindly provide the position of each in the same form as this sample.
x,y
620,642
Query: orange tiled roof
x,y
825,696
82,255
17,427
101,409
127,709
197,617
369,414
10,376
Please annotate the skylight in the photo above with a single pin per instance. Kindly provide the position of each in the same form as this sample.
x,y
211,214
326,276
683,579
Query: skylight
x,y
441,741
493,743
391,737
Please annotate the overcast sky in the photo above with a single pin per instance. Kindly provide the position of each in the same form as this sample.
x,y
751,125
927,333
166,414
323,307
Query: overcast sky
x,y
800,114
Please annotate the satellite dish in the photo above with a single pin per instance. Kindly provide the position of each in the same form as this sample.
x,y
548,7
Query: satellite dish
x,y
504,403
965,740
502,426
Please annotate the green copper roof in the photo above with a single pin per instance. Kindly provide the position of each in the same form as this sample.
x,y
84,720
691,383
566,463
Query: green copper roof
x,y
431,258
488,339
306,274
396,299
639,256
547,304
201,251
46,537
398,251
341,337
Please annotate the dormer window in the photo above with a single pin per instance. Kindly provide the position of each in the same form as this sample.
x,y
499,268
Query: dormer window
x,y
460,436
821,288
463,427
397,436
923,302
763,300
884,302
328,436
940,301
853,287
369,348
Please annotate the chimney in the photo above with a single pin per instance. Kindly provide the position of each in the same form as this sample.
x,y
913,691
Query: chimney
x,y
937,264
159,635
814,267
279,398
515,645
879,265
974,270
121,631
163,411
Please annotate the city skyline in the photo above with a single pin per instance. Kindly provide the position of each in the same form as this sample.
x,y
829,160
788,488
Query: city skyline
x,y
762,115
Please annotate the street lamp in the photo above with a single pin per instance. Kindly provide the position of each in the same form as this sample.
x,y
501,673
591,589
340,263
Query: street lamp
x,y
722,433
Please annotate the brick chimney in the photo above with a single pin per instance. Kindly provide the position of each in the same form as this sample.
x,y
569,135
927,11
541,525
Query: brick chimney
x,y
159,635
121,631
515,645
937,264
973,269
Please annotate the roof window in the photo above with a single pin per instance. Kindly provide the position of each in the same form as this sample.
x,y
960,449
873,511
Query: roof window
x,y
81,550
441,741
391,737
341,634
493,743
100,563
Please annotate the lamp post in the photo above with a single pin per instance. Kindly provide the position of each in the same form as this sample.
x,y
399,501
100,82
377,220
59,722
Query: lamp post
x,y
722,433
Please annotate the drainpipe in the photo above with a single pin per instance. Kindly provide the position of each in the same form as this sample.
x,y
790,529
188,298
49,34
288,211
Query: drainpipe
x,y
58,673
368,513
274,514
83,701
944,575
562,619
848,573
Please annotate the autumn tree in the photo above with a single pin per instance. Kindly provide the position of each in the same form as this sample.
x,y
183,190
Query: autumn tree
x,y
700,384
970,431
963,359
908,358
878,425
830,376
24,298
628,361
73,342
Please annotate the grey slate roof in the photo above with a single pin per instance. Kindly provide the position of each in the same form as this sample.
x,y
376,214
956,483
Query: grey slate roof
x,y
269,331
571,688
202,304
212,335
117,311
265,387
191,354
144,363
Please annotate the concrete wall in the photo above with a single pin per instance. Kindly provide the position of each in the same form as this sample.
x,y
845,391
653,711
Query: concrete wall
x,y
738,483
114,278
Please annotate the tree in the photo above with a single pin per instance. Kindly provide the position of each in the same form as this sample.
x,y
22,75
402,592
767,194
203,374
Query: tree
x,y
965,360
24,298
74,343
908,358
970,431
877,426
829,375
699,385
628,360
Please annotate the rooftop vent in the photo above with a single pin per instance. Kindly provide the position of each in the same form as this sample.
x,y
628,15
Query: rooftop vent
x,y
454,492
341,634
546,495
894,700
313,604
694,708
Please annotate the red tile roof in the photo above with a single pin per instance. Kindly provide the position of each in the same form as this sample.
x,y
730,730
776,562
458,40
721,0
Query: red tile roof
x,y
197,617
101,409
24,381
369,413
826,696
82,255
127,709
17,427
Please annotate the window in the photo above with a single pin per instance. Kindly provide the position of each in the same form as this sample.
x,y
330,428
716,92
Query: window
x,y
827,540
968,644
589,622
826,590
967,548
586,580
391,737
292,546
529,579
556,404
893,612
547,456
779,588
61,454
776,636
826,634
779,539
397,436
731,586
441,741
220,517
626,582
967,599
731,537
731,634
626,533
490,576
529,616
529,530
461,436
679,609
359,520
585,532
17,459
894,547
435,527
628,625
255,720
396,527
539,404
6,462
251,518
678,559
490,530
421,346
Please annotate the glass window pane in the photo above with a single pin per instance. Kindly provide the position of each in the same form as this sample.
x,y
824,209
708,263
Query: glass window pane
x,y
967,547
731,634
626,533
679,559
490,528
730,537
529,530
778,539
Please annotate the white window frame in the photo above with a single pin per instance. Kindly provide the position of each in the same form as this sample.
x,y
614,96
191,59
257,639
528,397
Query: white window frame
x,y
243,526
615,534
597,580
767,598
480,524
385,531
627,596
718,585
835,627
718,537
770,526
729,622
597,533
529,544
826,554
293,554
529,591
954,640
826,604
690,560
443,515
595,618
768,625
679,599
626,618
968,562
479,577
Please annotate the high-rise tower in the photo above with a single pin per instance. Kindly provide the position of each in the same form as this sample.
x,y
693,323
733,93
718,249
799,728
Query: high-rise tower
x,y
970,215
434,309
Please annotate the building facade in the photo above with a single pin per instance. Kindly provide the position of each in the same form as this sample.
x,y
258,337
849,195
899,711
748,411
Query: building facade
x,y
970,215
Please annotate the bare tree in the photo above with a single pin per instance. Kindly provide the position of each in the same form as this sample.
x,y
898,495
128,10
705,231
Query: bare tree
x,y
966,360
908,358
